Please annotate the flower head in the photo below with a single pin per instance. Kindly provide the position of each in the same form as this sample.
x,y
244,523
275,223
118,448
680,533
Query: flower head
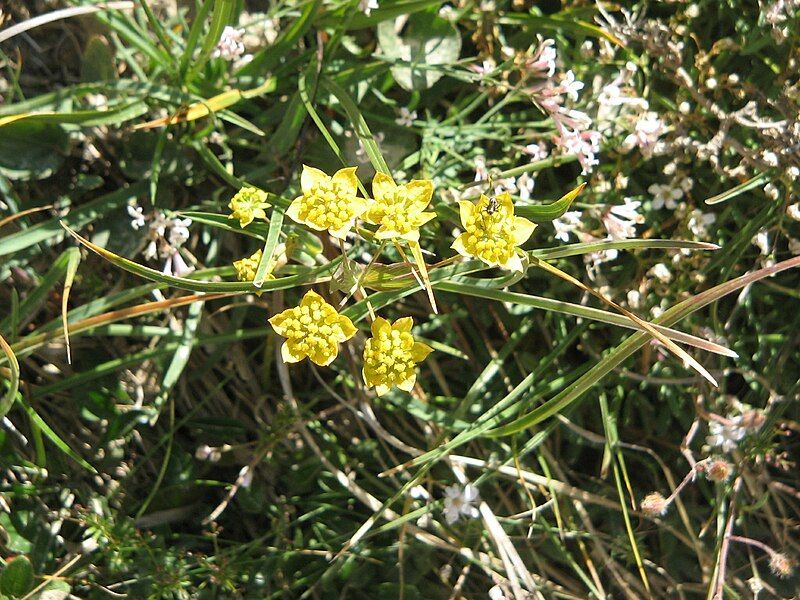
x,y
654,505
399,209
460,501
725,436
492,232
391,355
246,268
780,564
230,45
327,202
313,329
718,470
247,205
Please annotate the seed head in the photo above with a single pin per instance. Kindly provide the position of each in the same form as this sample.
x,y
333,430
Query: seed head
x,y
781,565
718,470
654,505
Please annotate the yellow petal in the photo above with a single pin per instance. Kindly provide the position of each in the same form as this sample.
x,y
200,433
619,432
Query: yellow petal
x,y
458,246
294,210
311,177
466,209
424,217
382,186
514,263
407,384
347,179
277,322
421,191
348,329
323,358
245,220
522,230
365,377
311,297
506,204
420,351
378,325
384,233
342,232
259,213
411,236
288,355
403,324
382,389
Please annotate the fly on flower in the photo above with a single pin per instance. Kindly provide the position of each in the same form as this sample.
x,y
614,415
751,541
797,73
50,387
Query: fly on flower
x,y
313,329
330,203
399,209
247,205
492,232
391,355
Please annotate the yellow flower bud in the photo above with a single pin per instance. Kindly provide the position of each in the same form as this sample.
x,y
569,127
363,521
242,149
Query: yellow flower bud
x,y
247,205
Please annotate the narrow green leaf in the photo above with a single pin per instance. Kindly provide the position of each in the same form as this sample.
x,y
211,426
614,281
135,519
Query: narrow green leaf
x,y
10,396
746,186
267,262
543,213
53,437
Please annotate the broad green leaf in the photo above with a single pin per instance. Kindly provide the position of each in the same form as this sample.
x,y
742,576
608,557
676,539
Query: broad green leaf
x,y
17,577
32,150
97,62
428,43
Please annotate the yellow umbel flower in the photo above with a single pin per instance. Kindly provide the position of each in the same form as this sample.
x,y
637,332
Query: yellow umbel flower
x,y
330,203
492,232
246,268
391,354
398,209
313,329
248,204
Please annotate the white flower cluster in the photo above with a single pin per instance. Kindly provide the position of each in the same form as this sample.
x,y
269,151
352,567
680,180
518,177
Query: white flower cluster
x,y
574,128
230,45
165,237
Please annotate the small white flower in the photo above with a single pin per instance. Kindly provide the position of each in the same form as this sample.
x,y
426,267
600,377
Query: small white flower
x,y
137,218
178,232
230,45
460,501
571,85
621,220
525,184
246,475
665,195
646,131
684,108
566,224
634,299
793,210
761,240
536,151
794,246
711,83
725,437
175,265
406,118
661,272
699,222
367,6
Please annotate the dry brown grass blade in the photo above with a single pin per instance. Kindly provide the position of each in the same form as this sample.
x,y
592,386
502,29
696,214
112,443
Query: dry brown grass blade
x,y
669,344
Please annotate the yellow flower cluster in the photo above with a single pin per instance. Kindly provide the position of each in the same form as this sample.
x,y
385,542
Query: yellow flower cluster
x,y
314,329
246,267
247,205
390,357
492,232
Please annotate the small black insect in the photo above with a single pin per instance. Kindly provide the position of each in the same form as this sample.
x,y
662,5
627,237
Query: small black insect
x,y
492,207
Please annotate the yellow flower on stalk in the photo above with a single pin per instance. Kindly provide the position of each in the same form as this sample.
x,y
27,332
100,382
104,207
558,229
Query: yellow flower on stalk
x,y
492,232
399,209
313,329
246,268
247,205
330,203
391,355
